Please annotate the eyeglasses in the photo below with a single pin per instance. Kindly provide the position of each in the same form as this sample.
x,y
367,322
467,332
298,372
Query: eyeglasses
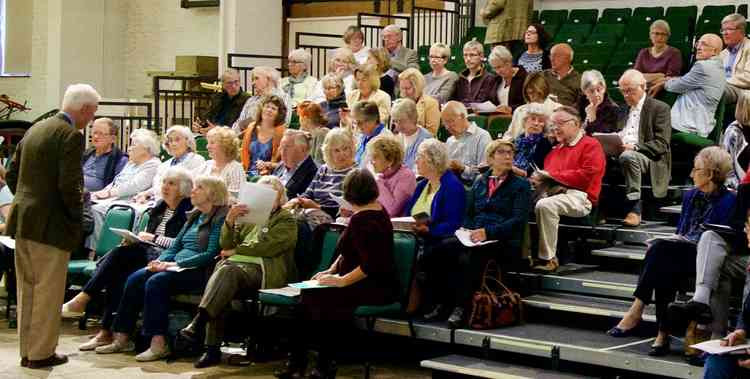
x,y
660,34
231,83
507,152
296,62
437,57
728,30
558,124
628,90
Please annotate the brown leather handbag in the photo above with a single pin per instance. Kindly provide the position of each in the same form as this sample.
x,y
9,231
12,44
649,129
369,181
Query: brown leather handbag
x,y
494,305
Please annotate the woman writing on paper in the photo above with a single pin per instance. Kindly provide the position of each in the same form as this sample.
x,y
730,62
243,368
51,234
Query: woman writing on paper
x,y
165,220
254,257
183,267
498,212
363,273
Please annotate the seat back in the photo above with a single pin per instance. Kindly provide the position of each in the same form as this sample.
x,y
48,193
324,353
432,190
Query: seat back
x,y
583,16
118,216
327,247
405,247
648,14
615,16
553,17
143,223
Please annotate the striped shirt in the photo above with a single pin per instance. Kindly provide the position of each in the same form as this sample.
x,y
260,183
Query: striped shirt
x,y
161,240
327,181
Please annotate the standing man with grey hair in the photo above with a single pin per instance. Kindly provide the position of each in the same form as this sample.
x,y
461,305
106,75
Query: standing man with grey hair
x,y
700,89
736,56
645,132
225,106
563,80
45,219
401,57
467,143
297,168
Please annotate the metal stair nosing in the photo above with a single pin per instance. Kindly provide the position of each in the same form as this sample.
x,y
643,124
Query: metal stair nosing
x,y
618,251
582,286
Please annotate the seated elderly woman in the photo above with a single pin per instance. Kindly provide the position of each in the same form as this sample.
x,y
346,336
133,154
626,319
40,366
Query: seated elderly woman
x,y
411,86
335,101
499,211
342,64
166,219
533,145
180,144
671,259
363,273
659,61
381,59
601,112
138,175
510,80
313,121
222,149
396,182
735,141
440,82
368,89
260,142
338,153
354,38
299,85
404,116
266,82
535,90
194,249
536,56
253,257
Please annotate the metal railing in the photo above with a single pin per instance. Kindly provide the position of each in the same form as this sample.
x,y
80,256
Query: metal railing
x,y
319,45
449,24
244,63
372,25
179,106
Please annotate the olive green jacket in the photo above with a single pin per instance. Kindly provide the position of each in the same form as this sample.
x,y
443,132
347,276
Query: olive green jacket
x,y
507,20
270,245
46,178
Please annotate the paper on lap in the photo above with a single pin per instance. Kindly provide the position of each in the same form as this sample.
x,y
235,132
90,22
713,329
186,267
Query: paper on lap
x,y
259,199
464,236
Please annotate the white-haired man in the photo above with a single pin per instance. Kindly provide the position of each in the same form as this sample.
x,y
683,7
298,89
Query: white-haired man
x,y
45,219
736,56
467,143
401,57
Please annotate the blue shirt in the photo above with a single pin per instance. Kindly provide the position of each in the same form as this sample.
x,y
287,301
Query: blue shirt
x,y
93,171
363,140
259,152
730,60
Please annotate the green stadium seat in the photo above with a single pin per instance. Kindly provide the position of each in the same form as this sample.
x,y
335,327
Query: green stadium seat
x,y
648,14
574,34
717,10
708,24
555,17
478,32
480,120
535,17
681,33
591,61
638,31
583,16
498,126
682,16
615,16
615,95
118,216
552,30
617,30
742,9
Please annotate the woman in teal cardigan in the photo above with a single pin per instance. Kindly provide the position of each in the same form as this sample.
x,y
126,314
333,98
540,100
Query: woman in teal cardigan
x,y
181,268
253,257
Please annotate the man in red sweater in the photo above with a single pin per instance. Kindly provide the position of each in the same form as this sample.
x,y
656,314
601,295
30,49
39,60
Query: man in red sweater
x,y
577,164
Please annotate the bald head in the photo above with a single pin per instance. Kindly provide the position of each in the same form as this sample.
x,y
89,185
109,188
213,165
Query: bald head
x,y
709,45
633,86
561,56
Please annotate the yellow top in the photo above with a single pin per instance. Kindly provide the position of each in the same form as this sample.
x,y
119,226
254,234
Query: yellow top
x,y
424,202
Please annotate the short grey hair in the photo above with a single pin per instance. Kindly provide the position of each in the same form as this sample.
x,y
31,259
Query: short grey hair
x,y
185,132
738,20
215,188
475,45
661,24
300,55
230,72
717,161
146,139
500,54
404,109
590,78
110,124
182,177
299,137
435,154
78,95
332,80
457,108
634,76
445,51
392,29
535,109
275,183
337,137
272,74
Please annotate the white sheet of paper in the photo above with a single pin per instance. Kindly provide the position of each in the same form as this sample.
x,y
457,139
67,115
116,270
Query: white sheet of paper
x,y
259,199
343,204
178,268
307,284
130,236
464,235
485,107
714,347
9,242
285,291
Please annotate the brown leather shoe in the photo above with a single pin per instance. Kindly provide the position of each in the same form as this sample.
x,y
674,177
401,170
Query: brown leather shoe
x,y
547,266
632,219
24,362
53,360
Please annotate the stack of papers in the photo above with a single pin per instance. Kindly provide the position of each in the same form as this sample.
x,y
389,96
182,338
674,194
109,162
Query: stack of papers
x,y
464,235
308,284
285,291
714,347
403,223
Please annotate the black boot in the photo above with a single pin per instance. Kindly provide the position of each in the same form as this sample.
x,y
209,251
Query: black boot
x,y
211,357
325,368
194,331
295,366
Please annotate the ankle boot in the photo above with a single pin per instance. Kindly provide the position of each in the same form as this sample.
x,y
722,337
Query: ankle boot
x,y
325,368
211,357
194,331
295,366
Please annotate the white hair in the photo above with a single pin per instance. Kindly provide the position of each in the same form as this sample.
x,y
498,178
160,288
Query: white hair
x,y
183,178
737,19
300,55
500,54
146,139
591,77
230,72
392,29
633,75
272,74
456,108
78,95
183,131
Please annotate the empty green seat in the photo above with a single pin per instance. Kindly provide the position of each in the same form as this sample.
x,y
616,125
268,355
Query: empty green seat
x,y
556,17
480,120
498,126
638,30
717,10
616,30
615,16
649,14
583,16
708,24
742,9
573,34
684,16
535,16
118,216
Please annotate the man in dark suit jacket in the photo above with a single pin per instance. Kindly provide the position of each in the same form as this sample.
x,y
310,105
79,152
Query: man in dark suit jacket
x,y
45,219
645,130
401,57
297,168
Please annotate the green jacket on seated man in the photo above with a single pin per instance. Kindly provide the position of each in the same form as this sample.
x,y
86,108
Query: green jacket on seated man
x,y
270,245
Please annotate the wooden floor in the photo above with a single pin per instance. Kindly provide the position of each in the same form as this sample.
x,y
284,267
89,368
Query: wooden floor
x,y
89,365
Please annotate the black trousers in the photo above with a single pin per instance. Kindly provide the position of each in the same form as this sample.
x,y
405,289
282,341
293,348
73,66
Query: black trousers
x,y
666,265
112,270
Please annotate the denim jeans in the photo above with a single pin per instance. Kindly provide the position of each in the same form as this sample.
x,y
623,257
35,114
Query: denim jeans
x,y
722,367
152,291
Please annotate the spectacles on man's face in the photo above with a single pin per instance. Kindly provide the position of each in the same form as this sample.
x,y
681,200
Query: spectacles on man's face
x,y
231,82
506,152
556,124
628,90
437,57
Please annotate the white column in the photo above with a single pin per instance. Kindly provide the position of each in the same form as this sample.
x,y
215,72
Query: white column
x,y
250,27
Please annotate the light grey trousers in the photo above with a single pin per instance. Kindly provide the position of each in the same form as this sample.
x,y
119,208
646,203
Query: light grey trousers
x,y
634,165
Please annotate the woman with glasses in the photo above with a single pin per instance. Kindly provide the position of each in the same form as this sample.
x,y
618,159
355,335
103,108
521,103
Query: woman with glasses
x,y
299,85
659,61
536,56
440,82
669,260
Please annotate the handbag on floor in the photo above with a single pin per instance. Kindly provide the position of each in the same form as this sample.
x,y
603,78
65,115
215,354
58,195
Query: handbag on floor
x,y
494,305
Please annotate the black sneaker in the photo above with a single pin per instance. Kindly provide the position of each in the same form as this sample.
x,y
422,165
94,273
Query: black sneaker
x,y
692,310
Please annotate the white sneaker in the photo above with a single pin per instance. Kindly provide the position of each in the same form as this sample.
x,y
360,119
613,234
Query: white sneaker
x,y
92,344
151,355
116,347
65,312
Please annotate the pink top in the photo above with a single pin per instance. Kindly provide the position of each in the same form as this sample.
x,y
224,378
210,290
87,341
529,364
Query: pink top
x,y
396,186
668,63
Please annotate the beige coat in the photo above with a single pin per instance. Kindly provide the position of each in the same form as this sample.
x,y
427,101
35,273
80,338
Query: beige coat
x,y
741,70
506,20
